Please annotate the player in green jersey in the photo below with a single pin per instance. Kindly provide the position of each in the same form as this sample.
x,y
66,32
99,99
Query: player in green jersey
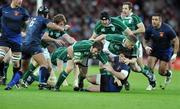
x,y
79,52
109,25
121,47
135,23
51,39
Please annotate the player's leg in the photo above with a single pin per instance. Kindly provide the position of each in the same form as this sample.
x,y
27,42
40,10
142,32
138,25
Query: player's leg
x,y
16,57
164,71
151,64
33,65
52,79
60,65
82,75
24,67
95,83
3,52
6,61
43,71
146,72
63,75
76,74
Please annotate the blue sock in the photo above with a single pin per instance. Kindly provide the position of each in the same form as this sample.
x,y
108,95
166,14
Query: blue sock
x,y
43,71
15,79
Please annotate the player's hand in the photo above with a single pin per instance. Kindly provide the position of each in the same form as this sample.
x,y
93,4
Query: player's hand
x,y
117,81
60,42
126,61
108,68
173,58
148,50
66,27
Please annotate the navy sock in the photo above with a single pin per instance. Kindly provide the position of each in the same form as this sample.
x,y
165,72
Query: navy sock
x,y
43,72
15,79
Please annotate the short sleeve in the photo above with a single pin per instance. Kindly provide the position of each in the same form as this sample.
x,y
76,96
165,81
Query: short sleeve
x,y
171,33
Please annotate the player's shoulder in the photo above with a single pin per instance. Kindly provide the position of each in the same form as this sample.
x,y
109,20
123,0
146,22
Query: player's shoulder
x,y
116,21
166,26
134,15
23,9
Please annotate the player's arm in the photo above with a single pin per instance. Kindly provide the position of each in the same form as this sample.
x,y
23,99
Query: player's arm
x,y
140,29
104,59
53,26
47,38
93,37
130,61
119,75
129,32
100,37
175,41
68,38
146,41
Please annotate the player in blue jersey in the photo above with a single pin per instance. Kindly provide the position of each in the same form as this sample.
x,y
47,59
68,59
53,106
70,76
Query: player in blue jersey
x,y
32,47
13,17
161,36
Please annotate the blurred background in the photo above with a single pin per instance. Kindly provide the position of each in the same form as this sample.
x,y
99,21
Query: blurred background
x,y
83,14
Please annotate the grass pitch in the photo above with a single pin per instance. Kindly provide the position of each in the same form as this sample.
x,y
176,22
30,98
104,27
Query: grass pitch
x,y
136,98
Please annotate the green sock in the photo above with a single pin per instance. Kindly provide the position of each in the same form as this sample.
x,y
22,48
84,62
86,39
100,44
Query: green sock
x,y
146,71
61,78
36,78
30,71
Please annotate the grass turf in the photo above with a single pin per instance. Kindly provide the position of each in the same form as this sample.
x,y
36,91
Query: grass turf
x,y
136,98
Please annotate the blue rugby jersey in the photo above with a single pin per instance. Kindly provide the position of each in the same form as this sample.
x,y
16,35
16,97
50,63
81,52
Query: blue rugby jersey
x,y
12,20
161,38
35,30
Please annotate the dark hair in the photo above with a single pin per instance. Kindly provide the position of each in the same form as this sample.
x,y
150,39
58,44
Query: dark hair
x,y
104,15
43,10
98,45
129,4
58,18
157,14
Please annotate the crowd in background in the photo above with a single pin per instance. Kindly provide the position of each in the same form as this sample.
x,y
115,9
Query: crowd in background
x,y
83,14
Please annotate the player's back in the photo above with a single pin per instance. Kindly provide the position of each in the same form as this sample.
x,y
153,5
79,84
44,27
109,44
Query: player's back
x,y
35,30
82,46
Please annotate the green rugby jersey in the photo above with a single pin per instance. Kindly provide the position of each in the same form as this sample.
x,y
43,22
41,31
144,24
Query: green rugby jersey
x,y
53,34
116,26
116,46
131,21
82,49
